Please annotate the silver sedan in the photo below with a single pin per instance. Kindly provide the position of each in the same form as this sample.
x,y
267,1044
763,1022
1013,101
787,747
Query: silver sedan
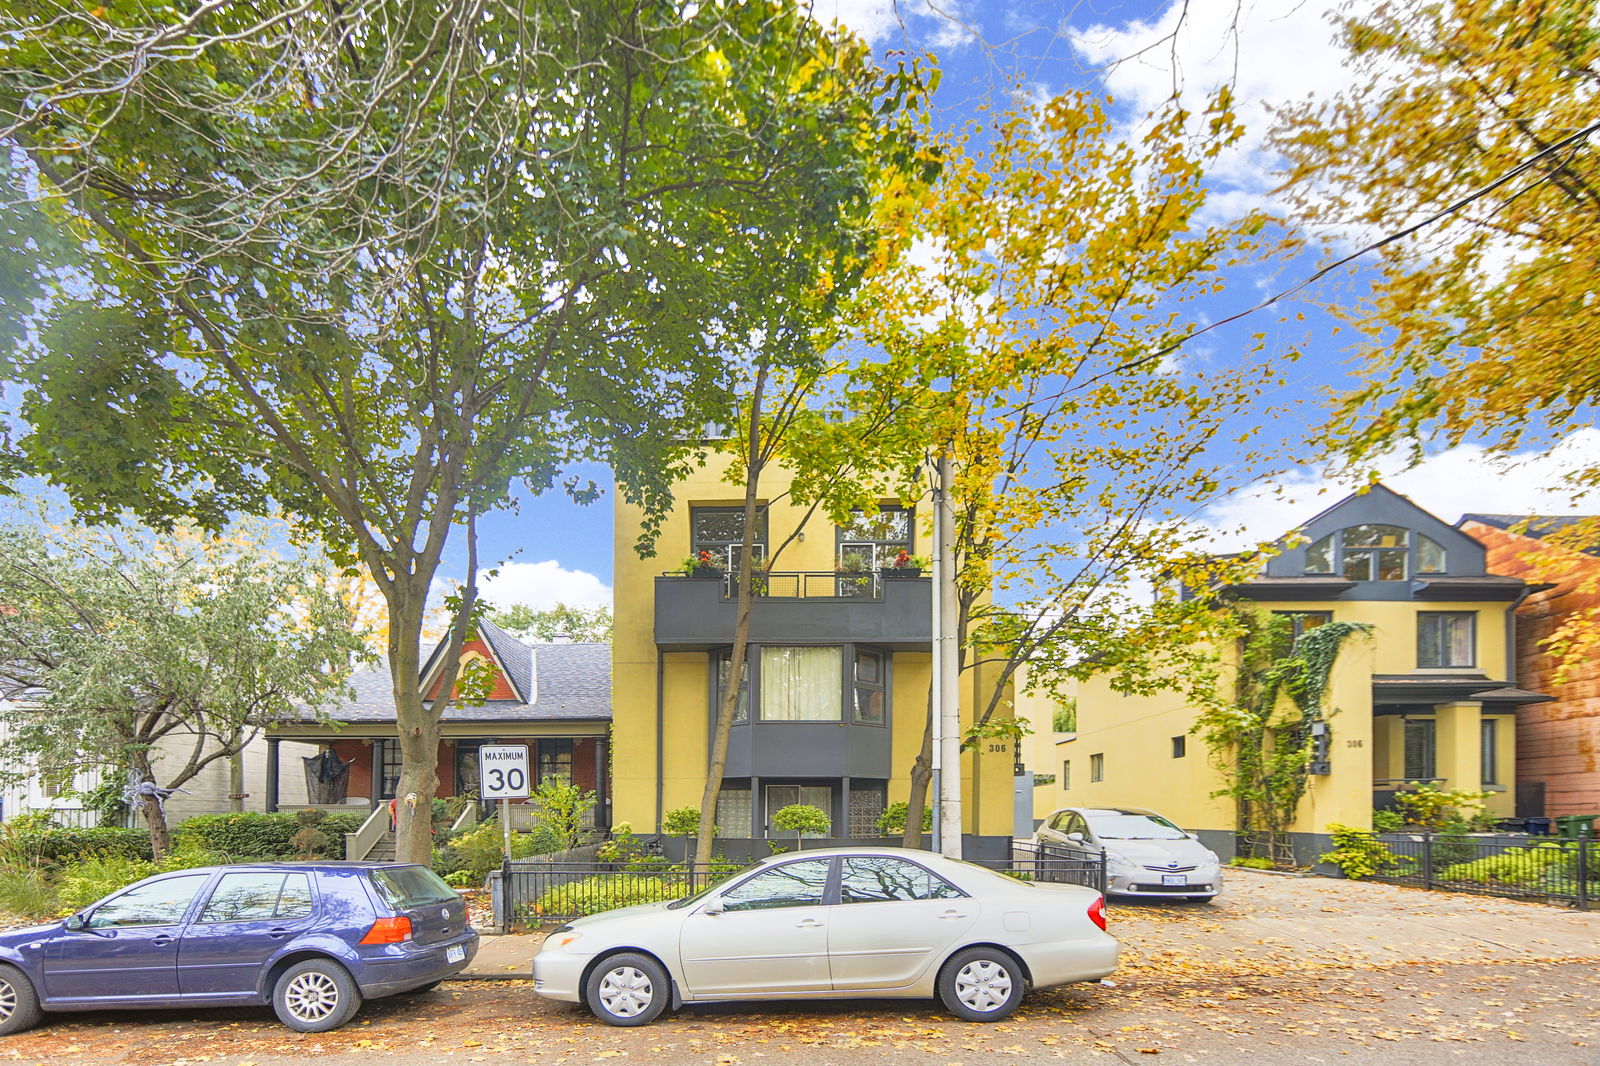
x,y
840,923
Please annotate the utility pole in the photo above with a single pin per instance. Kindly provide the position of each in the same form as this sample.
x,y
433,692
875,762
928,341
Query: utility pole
x,y
947,686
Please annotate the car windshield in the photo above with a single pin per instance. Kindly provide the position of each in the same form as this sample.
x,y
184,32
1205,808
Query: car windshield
x,y
404,887
1134,827
718,878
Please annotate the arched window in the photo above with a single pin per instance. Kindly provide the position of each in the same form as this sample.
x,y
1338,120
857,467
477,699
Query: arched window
x,y
1375,552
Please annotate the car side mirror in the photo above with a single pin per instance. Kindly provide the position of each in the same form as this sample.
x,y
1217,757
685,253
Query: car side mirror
x,y
75,922
1076,838
713,906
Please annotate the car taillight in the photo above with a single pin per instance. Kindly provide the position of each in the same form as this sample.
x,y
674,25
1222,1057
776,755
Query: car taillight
x,y
389,931
1097,911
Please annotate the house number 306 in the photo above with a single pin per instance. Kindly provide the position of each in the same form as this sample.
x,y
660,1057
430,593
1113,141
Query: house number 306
x,y
1001,748
1352,743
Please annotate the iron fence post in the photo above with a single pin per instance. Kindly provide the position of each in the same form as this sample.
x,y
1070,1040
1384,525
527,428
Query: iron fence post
x,y
1583,867
505,894
1100,871
1427,860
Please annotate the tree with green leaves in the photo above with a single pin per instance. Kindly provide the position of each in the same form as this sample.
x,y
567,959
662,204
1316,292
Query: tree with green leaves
x,y
377,263
585,625
160,655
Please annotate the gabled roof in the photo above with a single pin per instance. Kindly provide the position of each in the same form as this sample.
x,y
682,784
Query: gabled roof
x,y
553,683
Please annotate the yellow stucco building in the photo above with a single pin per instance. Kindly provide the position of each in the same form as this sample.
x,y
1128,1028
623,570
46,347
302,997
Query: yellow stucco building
x,y
836,701
1427,696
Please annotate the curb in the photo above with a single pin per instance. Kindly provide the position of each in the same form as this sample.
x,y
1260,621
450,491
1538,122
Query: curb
x,y
1269,873
490,977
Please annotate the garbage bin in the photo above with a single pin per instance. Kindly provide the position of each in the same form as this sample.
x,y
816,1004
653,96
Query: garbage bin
x,y
1538,827
1575,825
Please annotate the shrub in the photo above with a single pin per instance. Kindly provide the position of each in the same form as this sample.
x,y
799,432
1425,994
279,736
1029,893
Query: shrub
x,y
1387,822
560,811
1253,862
254,835
88,881
480,849
26,892
1514,866
681,822
606,893
1360,854
893,819
31,843
458,879
1429,808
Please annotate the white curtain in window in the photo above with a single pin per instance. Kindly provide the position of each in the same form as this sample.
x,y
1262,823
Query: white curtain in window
x,y
801,684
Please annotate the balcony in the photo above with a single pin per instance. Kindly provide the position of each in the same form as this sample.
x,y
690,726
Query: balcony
x,y
695,613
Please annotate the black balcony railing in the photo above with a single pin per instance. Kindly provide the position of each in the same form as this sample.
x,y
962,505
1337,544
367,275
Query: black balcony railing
x,y
814,585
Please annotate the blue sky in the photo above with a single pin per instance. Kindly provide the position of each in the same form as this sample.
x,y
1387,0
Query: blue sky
x,y
1274,51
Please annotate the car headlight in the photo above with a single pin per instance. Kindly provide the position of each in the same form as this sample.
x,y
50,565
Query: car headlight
x,y
561,938
1117,864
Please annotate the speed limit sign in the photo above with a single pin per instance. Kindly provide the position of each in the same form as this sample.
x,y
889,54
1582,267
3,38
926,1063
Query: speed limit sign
x,y
503,771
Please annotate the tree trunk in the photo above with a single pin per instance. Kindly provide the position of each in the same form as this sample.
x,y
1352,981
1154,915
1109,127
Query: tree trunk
x,y
718,763
921,774
419,783
155,819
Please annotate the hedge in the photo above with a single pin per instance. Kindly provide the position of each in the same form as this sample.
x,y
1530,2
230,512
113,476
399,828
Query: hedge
x,y
607,893
254,836
62,846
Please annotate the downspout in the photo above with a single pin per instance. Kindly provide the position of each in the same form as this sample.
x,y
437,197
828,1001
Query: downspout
x,y
661,714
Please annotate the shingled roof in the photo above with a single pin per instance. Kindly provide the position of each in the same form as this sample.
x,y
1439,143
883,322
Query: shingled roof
x,y
555,683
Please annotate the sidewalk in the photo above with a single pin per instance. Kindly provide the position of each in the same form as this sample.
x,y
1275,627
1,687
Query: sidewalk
x,y
503,957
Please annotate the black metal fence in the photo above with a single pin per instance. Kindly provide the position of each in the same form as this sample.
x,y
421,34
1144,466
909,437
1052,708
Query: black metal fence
x,y
539,891
1541,868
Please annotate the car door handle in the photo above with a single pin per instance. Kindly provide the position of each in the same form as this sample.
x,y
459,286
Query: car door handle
x,y
279,934
953,914
163,940
808,923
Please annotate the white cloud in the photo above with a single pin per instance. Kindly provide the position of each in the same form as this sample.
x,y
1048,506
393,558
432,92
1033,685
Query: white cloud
x,y
542,586
879,20
1272,54
1458,481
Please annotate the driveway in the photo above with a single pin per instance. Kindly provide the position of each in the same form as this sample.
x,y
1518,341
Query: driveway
x,y
1279,971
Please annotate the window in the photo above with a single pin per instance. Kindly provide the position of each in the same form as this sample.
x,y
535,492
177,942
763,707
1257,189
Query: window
x,y
720,531
555,760
868,543
801,684
159,903
1302,622
818,796
1490,751
886,880
735,815
1097,767
1430,556
1419,749
390,769
1445,638
1374,553
870,688
258,897
467,767
1179,747
1066,773
1319,557
794,884
741,709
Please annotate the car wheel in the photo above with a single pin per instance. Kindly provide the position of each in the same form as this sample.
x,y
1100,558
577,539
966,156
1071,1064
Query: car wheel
x,y
19,1003
627,989
1200,899
315,996
981,985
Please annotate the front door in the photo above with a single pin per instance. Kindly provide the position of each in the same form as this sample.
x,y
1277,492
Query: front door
x,y
249,916
893,919
128,949
770,938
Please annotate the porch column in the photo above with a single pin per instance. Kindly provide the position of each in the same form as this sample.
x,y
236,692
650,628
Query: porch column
x,y
602,784
272,774
1459,738
841,828
377,773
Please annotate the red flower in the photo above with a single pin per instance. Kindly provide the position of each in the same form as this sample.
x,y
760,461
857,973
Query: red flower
x,y
902,560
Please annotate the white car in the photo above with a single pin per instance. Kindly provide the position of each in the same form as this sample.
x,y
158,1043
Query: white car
x,y
841,923
1146,855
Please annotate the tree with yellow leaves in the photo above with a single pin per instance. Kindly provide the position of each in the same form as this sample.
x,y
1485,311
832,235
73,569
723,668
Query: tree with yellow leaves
x,y
1484,325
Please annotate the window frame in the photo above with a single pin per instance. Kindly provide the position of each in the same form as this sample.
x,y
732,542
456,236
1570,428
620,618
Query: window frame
x,y
1298,619
830,885
1180,746
1444,642
1489,750
753,695
1097,767
277,903
726,550
1066,774
203,879
955,890
1342,556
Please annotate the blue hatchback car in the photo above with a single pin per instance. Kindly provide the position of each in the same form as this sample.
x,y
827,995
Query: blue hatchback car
x,y
314,939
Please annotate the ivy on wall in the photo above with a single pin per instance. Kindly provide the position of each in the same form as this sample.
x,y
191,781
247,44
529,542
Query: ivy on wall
x,y
1264,755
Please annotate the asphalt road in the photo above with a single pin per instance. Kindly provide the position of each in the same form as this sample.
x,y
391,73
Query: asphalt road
x,y
1280,972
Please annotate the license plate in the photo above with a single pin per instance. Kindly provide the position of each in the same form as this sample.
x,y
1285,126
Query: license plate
x,y
455,954
1174,879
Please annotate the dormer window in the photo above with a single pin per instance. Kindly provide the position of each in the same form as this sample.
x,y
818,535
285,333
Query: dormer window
x,y
1375,552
